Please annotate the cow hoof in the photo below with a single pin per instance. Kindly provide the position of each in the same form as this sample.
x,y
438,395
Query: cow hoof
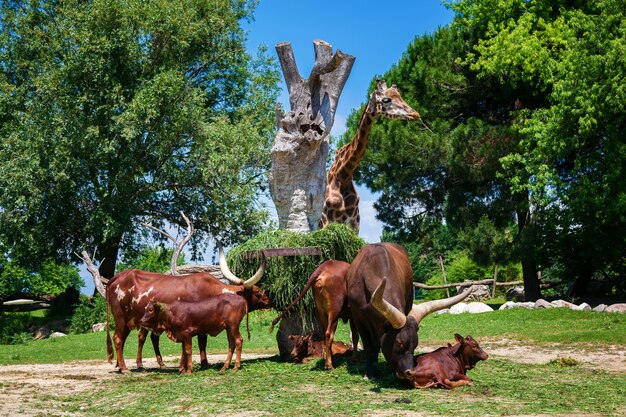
x,y
224,368
123,371
204,365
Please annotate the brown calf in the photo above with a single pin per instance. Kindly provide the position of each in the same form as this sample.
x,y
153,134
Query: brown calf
x,y
182,320
446,367
331,304
305,348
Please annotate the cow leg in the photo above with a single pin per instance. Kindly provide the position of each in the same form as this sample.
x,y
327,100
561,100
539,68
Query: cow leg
x,y
119,338
154,338
355,342
328,341
371,347
458,380
186,361
143,332
202,340
231,348
238,344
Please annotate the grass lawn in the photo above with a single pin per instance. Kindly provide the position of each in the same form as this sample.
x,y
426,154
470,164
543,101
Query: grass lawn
x,y
265,386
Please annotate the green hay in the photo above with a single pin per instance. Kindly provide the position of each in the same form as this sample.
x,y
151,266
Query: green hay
x,y
286,276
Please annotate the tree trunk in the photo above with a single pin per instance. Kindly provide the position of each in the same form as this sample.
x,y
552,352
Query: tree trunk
x,y
581,283
300,150
532,291
108,253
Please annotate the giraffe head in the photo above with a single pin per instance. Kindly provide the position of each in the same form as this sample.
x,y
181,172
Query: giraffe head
x,y
388,103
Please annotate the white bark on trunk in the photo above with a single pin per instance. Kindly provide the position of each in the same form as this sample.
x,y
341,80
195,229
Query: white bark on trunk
x,y
298,172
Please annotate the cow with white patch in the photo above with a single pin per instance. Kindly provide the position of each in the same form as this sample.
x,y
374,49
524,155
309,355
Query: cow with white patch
x,y
129,292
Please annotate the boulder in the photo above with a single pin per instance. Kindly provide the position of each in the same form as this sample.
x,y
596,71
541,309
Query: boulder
x,y
57,334
98,327
525,304
616,308
541,303
515,294
600,308
562,303
478,307
507,305
583,306
458,308
443,311
479,292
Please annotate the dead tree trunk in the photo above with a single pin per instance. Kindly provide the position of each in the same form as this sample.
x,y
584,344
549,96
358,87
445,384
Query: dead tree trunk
x,y
298,172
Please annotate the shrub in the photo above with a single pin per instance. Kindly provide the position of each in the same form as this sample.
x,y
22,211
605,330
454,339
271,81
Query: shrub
x,y
14,328
90,310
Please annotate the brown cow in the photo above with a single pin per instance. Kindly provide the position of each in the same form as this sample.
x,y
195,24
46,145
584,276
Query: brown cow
x,y
306,348
183,319
331,304
129,292
380,294
447,367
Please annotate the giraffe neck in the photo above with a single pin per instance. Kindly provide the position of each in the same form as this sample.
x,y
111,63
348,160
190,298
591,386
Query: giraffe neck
x,y
351,153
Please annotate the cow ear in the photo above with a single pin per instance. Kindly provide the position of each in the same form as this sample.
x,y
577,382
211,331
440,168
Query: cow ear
x,y
291,337
459,338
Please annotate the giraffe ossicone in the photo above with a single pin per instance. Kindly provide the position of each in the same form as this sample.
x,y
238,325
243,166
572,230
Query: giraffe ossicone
x,y
341,201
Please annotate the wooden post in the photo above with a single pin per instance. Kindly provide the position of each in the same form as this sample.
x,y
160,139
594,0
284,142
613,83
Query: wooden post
x,y
443,271
495,280
300,150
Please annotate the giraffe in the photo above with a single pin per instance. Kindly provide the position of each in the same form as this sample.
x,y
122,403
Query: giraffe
x,y
341,201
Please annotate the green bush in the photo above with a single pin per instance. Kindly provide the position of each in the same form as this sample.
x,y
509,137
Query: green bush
x,y
90,310
14,328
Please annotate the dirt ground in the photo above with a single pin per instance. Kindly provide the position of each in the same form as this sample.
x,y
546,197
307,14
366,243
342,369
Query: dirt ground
x,y
19,383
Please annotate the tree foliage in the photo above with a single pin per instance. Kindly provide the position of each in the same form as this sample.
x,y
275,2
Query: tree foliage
x,y
112,112
525,153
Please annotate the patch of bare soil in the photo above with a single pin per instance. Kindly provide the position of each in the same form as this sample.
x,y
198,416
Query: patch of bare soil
x,y
22,385
607,358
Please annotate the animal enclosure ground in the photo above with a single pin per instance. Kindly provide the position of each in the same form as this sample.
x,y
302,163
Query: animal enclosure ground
x,y
516,380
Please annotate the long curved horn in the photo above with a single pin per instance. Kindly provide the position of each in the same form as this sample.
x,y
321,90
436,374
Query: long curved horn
x,y
395,317
420,311
247,284
224,267
257,276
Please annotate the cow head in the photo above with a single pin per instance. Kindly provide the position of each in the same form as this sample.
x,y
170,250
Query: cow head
x,y
469,351
400,340
300,348
154,316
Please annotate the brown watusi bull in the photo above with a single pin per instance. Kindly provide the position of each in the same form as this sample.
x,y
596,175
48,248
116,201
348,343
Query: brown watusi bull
x,y
380,295
447,367
183,319
129,292
331,303
305,348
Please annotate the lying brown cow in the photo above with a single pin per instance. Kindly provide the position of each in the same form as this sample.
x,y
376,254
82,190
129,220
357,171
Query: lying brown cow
x,y
331,304
446,367
182,320
305,348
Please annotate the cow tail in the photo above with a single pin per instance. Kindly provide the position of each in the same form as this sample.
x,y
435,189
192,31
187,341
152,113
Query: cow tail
x,y
109,344
247,326
310,282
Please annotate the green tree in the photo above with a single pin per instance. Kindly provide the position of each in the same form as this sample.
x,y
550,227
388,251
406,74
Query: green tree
x,y
572,153
525,106
118,111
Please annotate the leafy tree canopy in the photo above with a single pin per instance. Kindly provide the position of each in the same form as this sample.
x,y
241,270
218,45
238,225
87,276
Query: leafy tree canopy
x,y
117,111
525,106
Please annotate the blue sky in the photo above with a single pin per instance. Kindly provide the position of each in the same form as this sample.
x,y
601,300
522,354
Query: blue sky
x,y
376,33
